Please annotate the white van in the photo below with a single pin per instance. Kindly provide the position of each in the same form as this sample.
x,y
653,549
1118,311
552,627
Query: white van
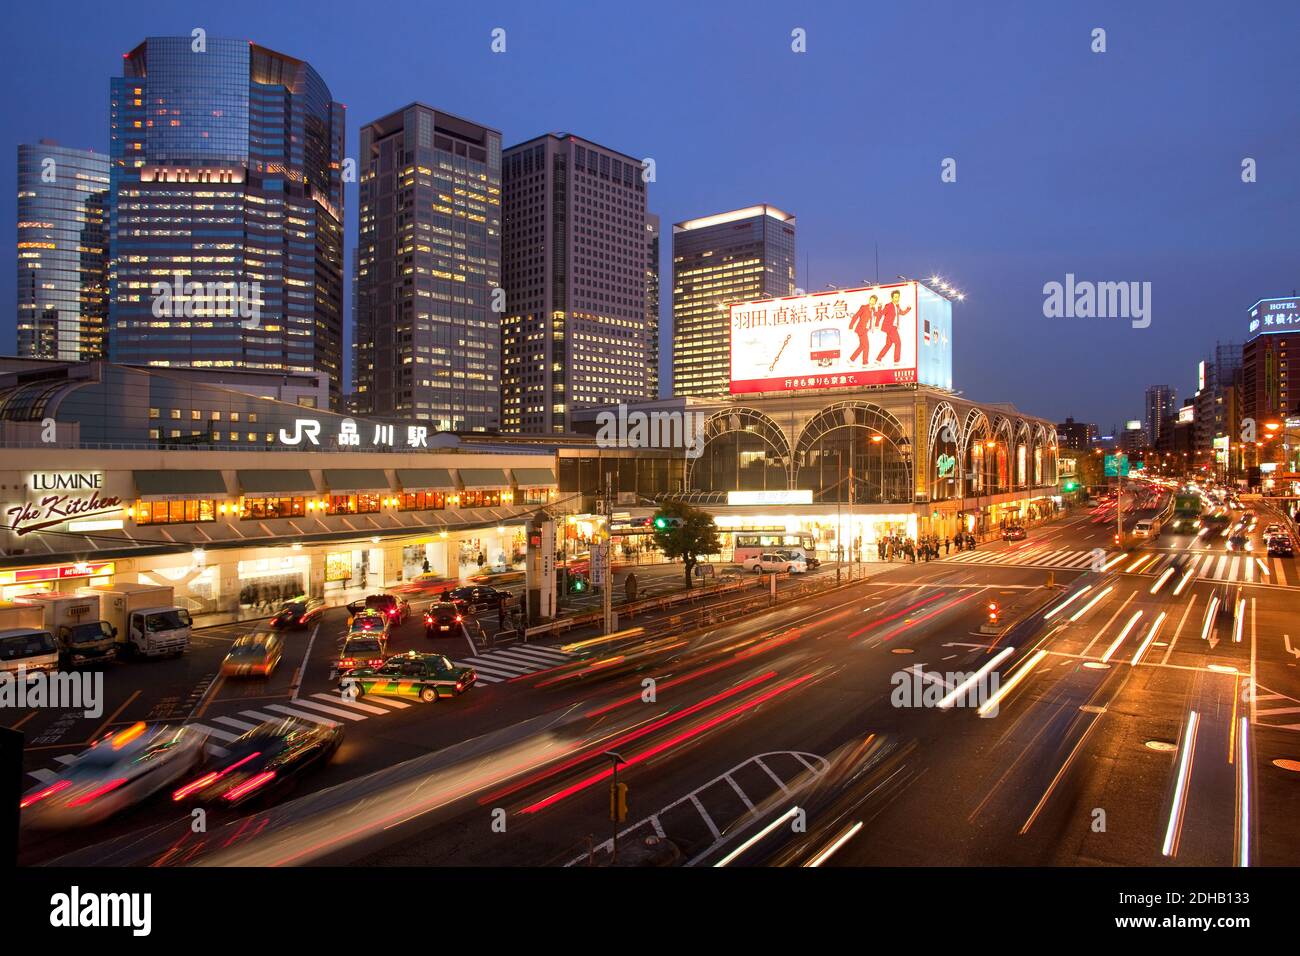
x,y
1147,528
28,649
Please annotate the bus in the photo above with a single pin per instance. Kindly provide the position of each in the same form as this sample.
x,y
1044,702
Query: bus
x,y
754,544
1186,516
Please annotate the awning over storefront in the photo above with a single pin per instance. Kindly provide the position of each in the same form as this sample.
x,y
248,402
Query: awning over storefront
x,y
273,482
425,479
483,477
533,476
158,485
342,480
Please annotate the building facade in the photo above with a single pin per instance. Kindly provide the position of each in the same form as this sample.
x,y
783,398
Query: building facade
x,y
733,256
1158,405
427,342
652,304
226,236
574,333
1076,436
1217,417
62,257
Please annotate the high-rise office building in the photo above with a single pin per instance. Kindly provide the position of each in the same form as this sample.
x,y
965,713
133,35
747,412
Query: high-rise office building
x,y
1218,407
729,257
1158,404
574,332
226,238
428,331
62,251
652,304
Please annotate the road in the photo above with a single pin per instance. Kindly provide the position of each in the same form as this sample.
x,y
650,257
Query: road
x,y
1124,729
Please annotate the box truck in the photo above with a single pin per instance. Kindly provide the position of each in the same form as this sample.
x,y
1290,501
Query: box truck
x,y
145,617
83,637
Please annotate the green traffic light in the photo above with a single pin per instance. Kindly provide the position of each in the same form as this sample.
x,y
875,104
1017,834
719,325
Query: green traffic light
x,y
661,522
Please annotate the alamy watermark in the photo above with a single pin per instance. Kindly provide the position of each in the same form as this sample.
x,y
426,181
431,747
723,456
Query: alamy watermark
x,y
915,687
181,299
59,690
637,429
1084,299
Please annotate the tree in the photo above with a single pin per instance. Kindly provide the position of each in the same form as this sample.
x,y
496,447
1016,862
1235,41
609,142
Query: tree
x,y
690,535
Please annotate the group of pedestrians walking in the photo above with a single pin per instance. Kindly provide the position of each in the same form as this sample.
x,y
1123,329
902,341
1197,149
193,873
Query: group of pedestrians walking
x,y
928,548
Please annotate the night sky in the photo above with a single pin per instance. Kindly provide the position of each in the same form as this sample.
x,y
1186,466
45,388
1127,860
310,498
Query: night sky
x,y
1119,166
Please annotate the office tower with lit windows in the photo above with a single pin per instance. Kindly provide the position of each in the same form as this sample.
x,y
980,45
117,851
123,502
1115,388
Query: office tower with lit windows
x,y
729,257
1159,404
428,271
226,233
1268,394
62,251
652,304
575,330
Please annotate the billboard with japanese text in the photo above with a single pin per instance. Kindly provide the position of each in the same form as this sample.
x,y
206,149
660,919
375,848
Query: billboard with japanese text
x,y
881,335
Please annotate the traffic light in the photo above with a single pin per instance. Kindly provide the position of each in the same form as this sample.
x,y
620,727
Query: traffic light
x,y
664,522
1071,486
993,612
618,802
577,584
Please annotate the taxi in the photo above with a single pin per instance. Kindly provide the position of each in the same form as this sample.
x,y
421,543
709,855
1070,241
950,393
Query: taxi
x,y
423,676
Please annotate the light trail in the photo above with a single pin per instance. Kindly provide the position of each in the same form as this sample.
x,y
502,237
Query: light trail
x,y
1091,604
839,841
1122,634
1066,603
1243,795
1186,577
1151,636
1160,581
1179,805
1012,681
788,815
973,679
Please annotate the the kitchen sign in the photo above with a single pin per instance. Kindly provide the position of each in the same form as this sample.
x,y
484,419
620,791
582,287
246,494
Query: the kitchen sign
x,y
59,497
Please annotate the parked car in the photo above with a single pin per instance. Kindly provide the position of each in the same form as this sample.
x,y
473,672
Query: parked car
x,y
304,612
774,563
799,554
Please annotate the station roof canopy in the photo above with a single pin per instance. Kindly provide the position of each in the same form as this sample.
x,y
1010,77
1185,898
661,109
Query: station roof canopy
x,y
484,477
356,479
152,485
425,479
534,476
263,482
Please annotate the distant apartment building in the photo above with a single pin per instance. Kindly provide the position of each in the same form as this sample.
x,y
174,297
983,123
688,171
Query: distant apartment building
x,y
575,330
62,250
226,236
729,257
1218,407
427,345
1078,436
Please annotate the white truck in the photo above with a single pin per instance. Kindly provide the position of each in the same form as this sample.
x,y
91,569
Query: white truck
x,y
145,617
73,619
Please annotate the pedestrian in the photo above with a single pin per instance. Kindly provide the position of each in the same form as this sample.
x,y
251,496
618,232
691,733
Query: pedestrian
x,y
501,612
947,545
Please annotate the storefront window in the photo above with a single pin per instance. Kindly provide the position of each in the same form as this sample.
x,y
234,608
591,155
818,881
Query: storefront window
x,y
422,501
175,512
259,508
480,499
353,504
535,496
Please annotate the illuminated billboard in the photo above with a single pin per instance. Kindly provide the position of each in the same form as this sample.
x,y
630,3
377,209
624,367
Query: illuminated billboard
x,y
881,335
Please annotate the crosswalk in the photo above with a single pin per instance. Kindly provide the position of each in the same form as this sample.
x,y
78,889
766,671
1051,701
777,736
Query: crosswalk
x,y
325,708
504,664
1028,558
333,709
1235,568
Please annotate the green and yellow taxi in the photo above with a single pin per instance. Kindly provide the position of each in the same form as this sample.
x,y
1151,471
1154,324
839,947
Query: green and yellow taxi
x,y
423,676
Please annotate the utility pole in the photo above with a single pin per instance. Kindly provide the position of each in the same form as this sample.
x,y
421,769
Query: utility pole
x,y
617,802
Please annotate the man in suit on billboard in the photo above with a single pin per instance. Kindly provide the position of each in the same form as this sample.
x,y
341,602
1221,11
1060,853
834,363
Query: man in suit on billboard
x,y
864,320
889,316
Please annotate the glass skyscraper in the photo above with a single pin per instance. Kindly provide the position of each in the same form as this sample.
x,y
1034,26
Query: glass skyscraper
x,y
62,252
226,169
428,341
730,257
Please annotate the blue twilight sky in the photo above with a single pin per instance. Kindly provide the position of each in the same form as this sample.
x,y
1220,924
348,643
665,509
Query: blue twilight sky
x,y
1118,166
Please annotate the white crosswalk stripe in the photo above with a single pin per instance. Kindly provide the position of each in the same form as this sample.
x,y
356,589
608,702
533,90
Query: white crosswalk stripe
x,y
214,732
232,722
368,708
496,666
1065,558
327,709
